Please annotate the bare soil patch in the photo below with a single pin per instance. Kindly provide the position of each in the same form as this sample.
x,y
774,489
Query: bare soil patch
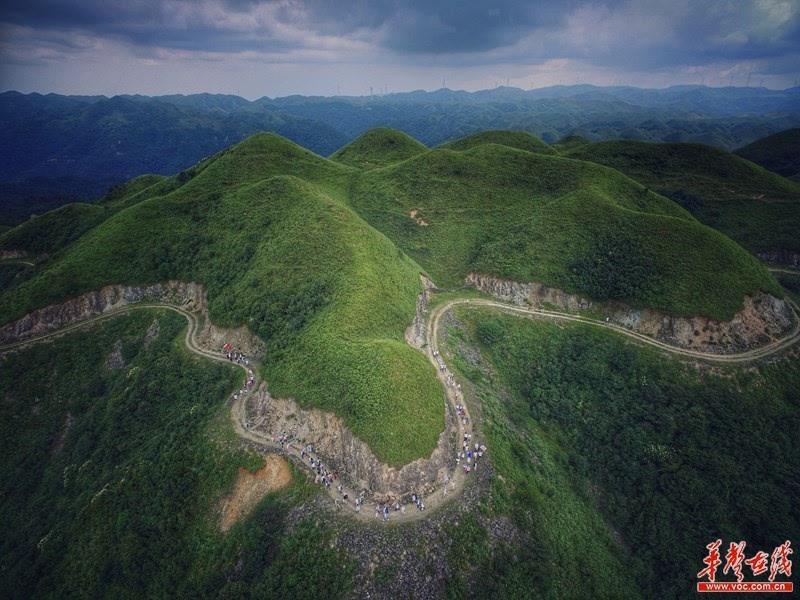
x,y
413,214
249,488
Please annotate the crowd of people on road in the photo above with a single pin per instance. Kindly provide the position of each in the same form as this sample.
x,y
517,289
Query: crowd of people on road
x,y
470,452
240,359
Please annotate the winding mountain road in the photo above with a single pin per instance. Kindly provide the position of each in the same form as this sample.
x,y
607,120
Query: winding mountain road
x,y
457,478
741,357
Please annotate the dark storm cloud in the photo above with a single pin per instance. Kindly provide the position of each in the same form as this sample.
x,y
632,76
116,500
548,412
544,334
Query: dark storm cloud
x,y
638,34
445,26
179,24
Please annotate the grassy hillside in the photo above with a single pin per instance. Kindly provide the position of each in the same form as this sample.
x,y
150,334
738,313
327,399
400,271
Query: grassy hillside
x,y
119,193
570,143
568,223
322,260
329,295
779,152
585,429
378,148
54,230
755,207
46,234
520,140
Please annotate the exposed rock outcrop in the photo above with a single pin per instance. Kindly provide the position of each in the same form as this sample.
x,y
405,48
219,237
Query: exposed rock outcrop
x,y
338,447
763,319
781,257
190,296
415,333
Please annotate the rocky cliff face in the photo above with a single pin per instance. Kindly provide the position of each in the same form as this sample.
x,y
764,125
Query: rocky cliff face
x,y
781,257
340,449
764,318
190,296
415,334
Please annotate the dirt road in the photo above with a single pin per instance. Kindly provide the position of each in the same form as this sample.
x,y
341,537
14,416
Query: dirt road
x,y
457,477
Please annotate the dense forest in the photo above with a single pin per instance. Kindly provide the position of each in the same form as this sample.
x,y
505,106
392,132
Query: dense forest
x,y
586,430
115,454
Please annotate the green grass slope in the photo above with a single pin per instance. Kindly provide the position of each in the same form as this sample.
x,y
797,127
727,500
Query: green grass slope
x,y
757,208
46,234
520,140
329,295
569,143
54,230
377,148
779,152
130,188
322,260
571,224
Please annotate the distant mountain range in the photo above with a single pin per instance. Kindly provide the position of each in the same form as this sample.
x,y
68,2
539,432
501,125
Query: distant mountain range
x,y
55,149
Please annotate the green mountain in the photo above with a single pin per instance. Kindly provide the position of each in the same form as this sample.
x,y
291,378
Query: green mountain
x,y
378,148
757,208
329,294
114,471
322,260
59,149
513,139
779,152
530,217
570,143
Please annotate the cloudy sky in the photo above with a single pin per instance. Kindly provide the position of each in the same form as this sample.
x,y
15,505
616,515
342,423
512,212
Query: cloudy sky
x,y
257,48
